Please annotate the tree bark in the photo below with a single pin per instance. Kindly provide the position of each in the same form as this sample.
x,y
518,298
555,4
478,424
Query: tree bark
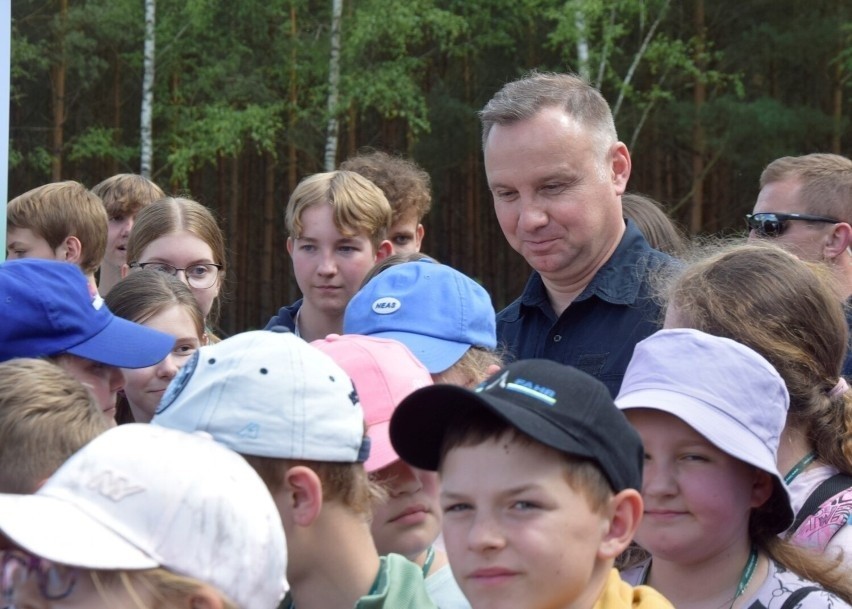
x,y
145,131
59,71
333,87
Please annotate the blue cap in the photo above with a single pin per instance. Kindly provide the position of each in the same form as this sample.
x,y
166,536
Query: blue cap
x,y
433,309
47,309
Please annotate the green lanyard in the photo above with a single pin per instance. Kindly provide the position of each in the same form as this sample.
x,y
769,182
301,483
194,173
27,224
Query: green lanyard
x,y
745,578
799,467
430,558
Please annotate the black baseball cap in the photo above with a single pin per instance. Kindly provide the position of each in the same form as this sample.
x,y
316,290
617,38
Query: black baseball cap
x,y
556,405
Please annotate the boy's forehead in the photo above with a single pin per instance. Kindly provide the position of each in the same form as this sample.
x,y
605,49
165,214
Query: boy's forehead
x,y
505,463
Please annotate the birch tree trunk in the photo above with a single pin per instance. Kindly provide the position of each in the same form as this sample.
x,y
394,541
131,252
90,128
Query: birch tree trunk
x,y
333,86
145,132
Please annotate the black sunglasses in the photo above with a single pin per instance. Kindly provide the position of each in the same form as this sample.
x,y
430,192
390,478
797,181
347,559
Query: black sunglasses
x,y
770,224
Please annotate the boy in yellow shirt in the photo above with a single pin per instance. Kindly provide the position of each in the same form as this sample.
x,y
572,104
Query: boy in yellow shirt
x,y
540,478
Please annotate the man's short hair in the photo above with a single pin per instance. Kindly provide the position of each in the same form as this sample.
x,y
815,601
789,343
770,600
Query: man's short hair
x,y
124,194
522,99
45,416
404,183
359,205
826,181
64,209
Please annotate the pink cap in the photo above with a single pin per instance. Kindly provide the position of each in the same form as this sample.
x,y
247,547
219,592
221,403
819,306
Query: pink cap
x,y
383,372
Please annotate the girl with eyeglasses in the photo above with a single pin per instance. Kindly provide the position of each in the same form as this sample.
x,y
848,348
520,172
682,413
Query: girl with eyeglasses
x,y
162,302
180,237
144,517
786,310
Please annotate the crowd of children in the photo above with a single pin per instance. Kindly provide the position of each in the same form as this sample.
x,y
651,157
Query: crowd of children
x,y
377,445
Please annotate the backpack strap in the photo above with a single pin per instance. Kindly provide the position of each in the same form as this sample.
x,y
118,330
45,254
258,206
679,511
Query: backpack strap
x,y
797,596
825,491
824,513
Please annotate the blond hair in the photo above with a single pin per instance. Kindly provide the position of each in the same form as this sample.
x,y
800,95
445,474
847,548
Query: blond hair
x,y
45,417
359,205
826,182
169,590
124,194
60,210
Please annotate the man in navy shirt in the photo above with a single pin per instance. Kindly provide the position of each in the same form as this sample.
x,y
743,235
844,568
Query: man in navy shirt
x,y
556,171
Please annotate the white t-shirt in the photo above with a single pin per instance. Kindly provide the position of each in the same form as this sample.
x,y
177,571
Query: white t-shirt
x,y
444,590
775,589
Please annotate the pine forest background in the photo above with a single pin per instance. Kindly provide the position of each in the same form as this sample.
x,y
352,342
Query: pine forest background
x,y
705,93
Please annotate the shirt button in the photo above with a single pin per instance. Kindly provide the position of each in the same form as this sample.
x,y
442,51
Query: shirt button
x,y
557,338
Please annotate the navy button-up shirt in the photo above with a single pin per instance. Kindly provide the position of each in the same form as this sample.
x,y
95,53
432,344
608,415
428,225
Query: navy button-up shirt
x,y
598,330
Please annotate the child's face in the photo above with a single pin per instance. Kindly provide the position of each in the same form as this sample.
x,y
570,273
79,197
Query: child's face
x,y
24,243
183,250
144,387
117,233
697,498
104,381
517,534
329,266
406,234
410,520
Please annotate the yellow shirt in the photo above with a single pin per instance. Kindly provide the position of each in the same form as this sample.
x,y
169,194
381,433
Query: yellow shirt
x,y
618,594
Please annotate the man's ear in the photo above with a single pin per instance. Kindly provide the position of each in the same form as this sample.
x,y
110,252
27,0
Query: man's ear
x,y
384,250
838,241
625,514
619,166
290,245
73,249
302,490
125,269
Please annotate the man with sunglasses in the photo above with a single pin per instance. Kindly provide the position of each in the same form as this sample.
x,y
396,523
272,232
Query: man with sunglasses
x,y
805,206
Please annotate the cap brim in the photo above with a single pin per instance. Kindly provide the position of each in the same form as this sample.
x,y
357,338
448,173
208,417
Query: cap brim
x,y
436,354
382,453
714,425
59,531
125,344
420,422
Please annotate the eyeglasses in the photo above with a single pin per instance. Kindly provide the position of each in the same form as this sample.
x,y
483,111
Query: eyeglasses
x,y
54,581
773,224
201,276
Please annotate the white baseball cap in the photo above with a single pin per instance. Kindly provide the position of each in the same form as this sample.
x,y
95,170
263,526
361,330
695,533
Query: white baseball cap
x,y
724,390
268,394
141,497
